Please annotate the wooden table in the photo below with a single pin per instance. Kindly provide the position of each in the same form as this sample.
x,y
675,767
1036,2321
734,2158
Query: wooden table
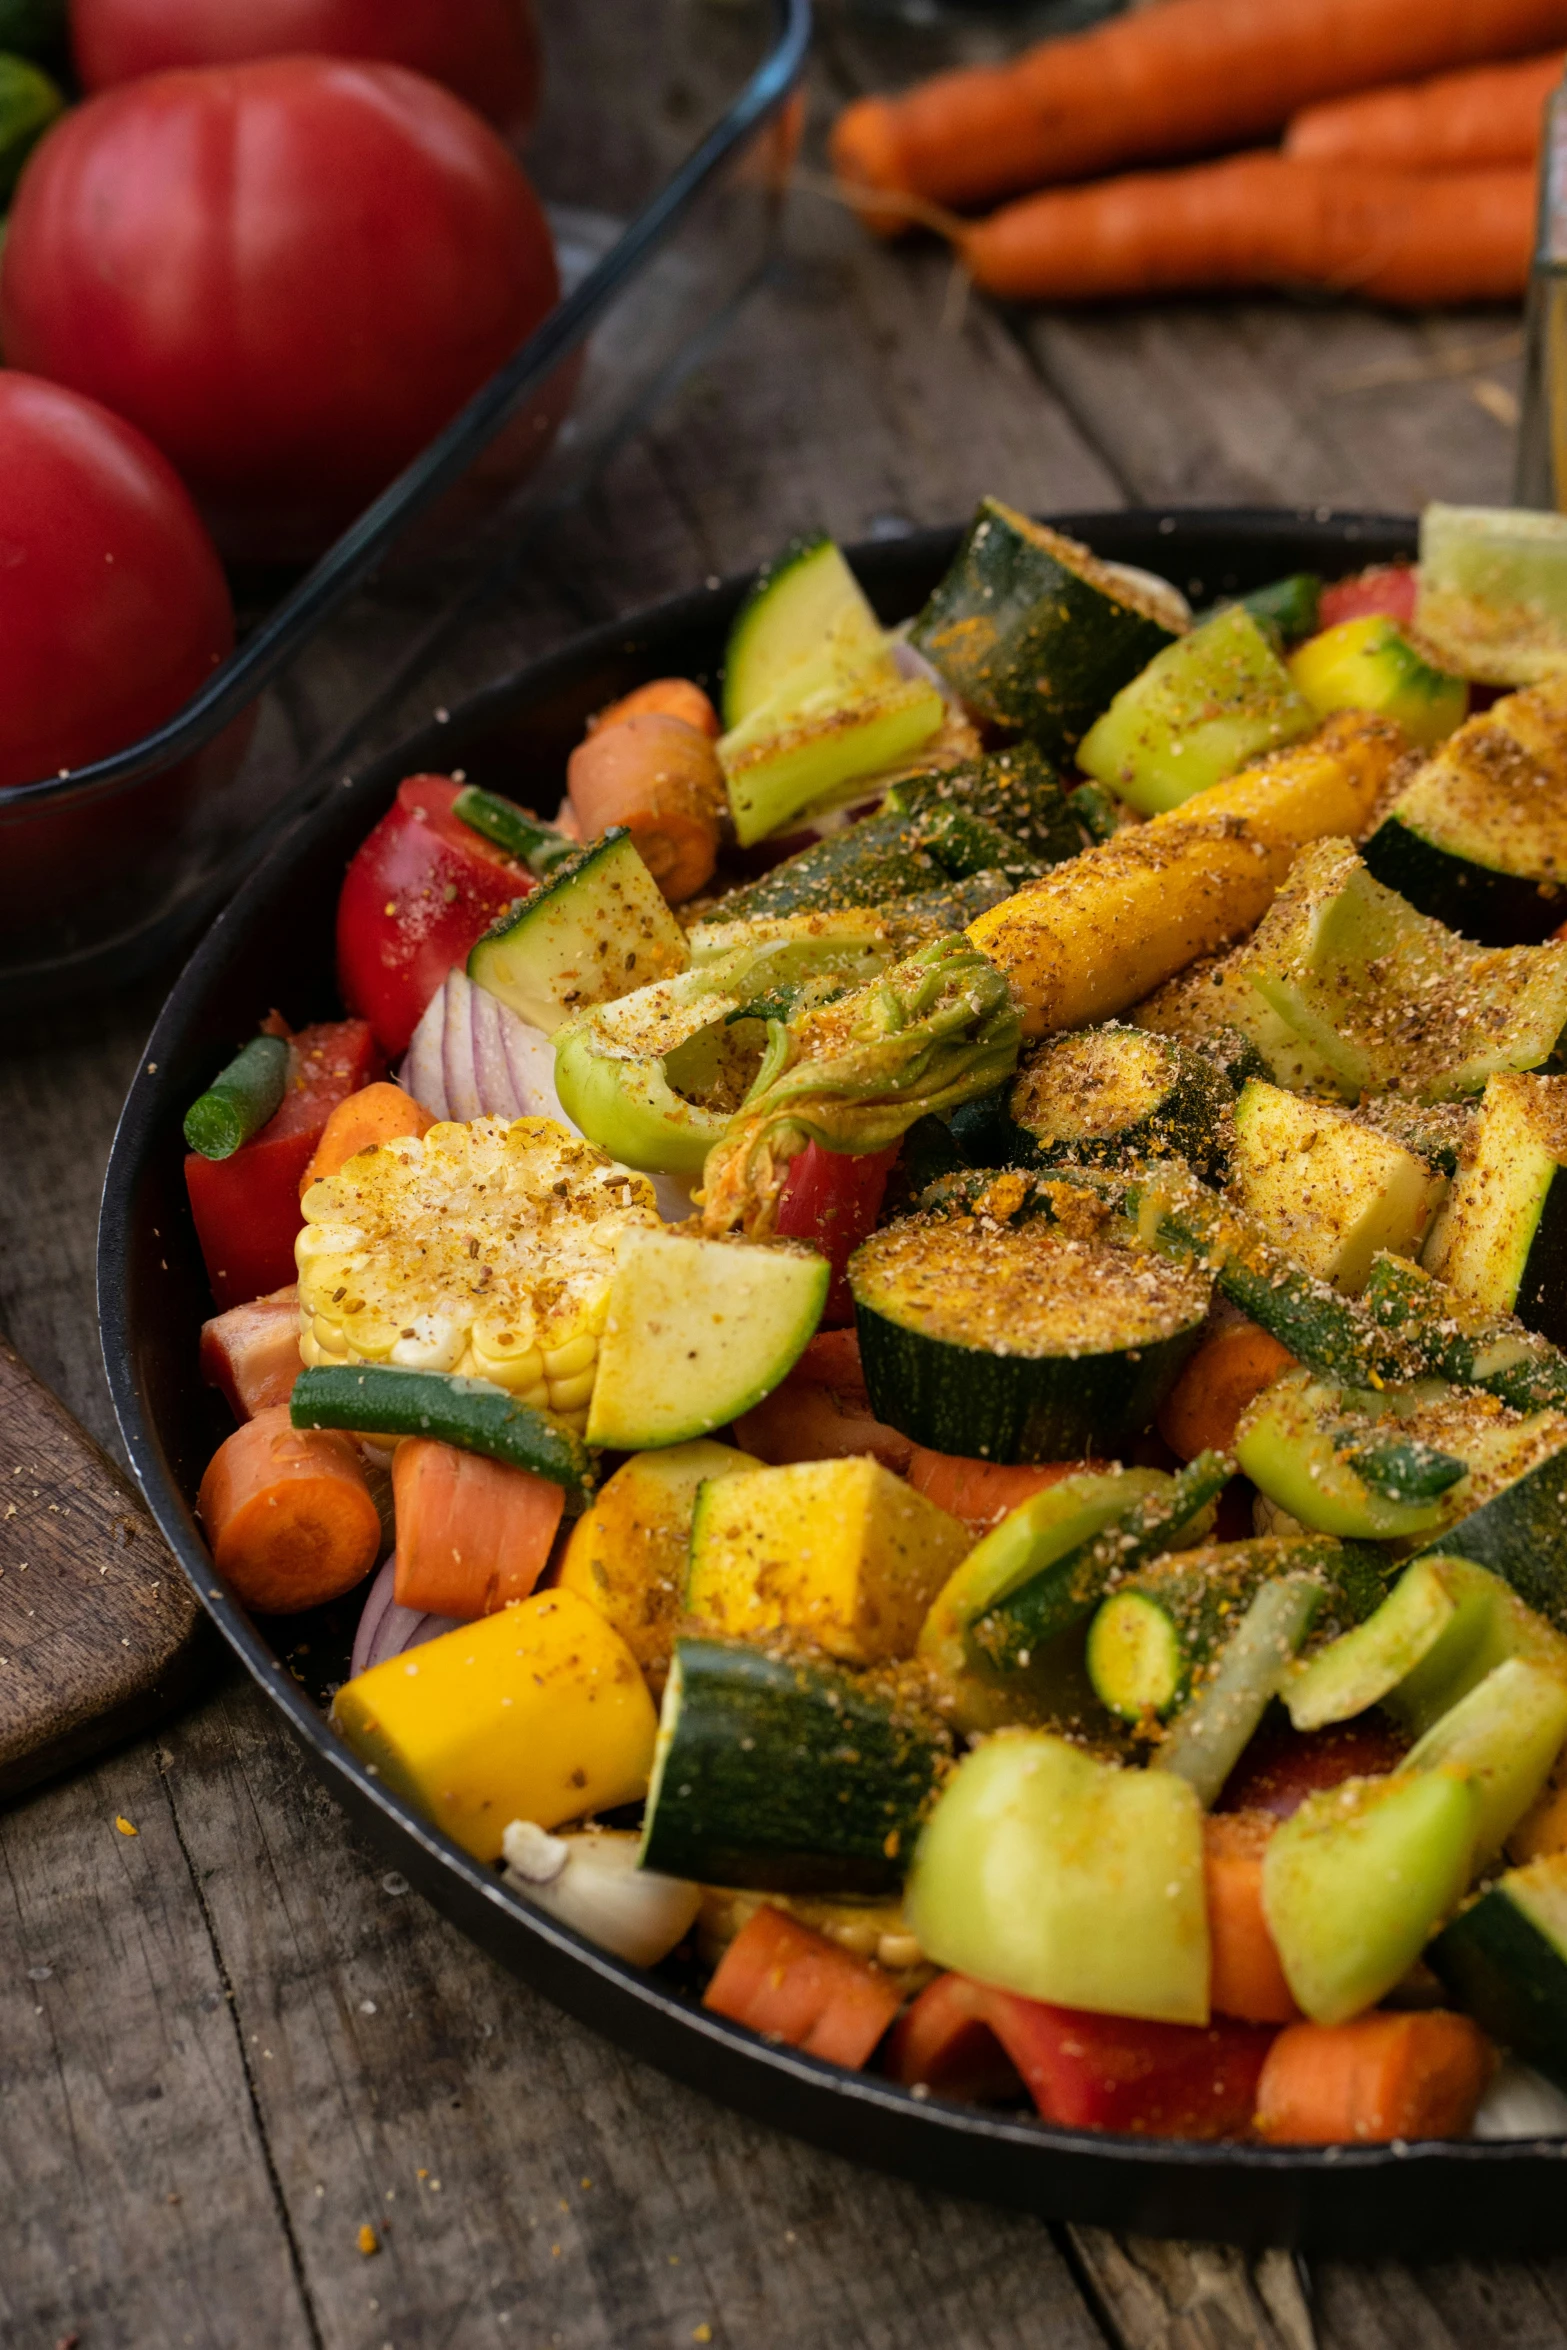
x,y
233,2041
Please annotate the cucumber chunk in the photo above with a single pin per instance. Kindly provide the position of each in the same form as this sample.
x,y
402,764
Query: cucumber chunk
x,y
1356,1882
1202,709
805,607
596,929
1504,1958
698,1331
1067,1880
785,1776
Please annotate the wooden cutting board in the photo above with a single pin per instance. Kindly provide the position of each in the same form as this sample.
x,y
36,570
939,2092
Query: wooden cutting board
x,y
100,1634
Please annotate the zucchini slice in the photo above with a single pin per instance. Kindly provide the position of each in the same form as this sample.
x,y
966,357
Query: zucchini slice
x,y
1019,1343
805,608
1114,1093
1502,1241
697,1332
1340,1463
475,1415
1019,792
1436,1333
1504,1959
789,753
1210,1733
881,861
1518,1528
1202,709
1287,606
1330,1191
596,929
1492,600
1437,1132
1370,664
1035,632
1392,1001
786,1776
1479,840
1212,1003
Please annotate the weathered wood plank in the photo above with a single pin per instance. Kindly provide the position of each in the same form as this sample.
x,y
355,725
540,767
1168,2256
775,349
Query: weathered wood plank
x,y
1168,2296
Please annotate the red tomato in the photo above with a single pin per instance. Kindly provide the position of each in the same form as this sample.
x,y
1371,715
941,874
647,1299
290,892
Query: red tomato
x,y
832,1199
1386,590
289,274
418,892
246,1208
485,50
1281,1766
113,605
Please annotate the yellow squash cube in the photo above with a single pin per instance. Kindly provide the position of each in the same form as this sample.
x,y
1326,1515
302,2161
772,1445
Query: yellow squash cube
x,y
842,1552
536,1713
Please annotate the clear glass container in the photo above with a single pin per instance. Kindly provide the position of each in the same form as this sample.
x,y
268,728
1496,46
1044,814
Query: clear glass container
x,y
662,221
1542,428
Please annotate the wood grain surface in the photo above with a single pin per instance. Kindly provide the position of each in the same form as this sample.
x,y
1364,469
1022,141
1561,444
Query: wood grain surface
x,y
230,2041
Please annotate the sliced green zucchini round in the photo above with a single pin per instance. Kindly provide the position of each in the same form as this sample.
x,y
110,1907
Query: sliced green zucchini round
x,y
596,929
1035,632
1114,1093
1302,1443
1019,1342
804,608
785,1776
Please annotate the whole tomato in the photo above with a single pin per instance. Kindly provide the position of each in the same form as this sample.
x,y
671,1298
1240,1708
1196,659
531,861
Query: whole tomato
x,y
485,50
113,605
419,890
289,274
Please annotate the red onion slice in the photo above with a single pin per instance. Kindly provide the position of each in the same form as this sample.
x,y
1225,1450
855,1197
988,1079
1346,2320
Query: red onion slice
x,y
457,1054
386,1630
422,1073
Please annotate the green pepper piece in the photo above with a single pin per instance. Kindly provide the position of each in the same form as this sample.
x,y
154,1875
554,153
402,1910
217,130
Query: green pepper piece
x,y
29,103
237,1104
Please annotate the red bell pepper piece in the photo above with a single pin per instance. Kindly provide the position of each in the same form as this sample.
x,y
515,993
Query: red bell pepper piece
x,y
251,1353
1085,2071
247,1207
1387,590
419,891
832,1199
790,1984
821,1412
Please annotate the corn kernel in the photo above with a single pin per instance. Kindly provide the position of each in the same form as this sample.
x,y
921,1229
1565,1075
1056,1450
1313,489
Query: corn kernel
x,y
571,1395
569,1361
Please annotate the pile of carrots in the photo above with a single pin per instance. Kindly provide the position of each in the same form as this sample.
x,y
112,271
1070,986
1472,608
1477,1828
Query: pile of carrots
x,y
1408,132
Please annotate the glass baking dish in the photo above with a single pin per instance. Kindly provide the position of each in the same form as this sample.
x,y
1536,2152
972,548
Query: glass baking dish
x,y
663,217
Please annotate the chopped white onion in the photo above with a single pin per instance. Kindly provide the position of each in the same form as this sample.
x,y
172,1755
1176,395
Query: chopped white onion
x,y
421,1073
385,1629
591,1881
1521,2103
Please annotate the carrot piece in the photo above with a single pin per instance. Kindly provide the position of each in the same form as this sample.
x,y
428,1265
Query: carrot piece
x,y
472,1534
289,1514
1410,239
982,1493
1410,2074
821,1412
660,778
251,1353
375,1114
669,697
1192,77
1247,1981
790,1984
1228,1371
1453,122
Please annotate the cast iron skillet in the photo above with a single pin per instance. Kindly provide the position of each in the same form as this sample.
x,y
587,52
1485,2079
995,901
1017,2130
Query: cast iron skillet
x,y
273,945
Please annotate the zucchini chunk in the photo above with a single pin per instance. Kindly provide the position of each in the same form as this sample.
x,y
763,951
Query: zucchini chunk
x,y
1501,1243
841,1553
1370,664
1437,1132
1215,1724
1114,1093
1019,1343
1492,600
1287,606
786,1776
1340,1463
1066,1879
1479,839
1439,1335
697,1332
596,929
1035,632
1206,706
475,1415
1213,1005
1392,1001
805,611
1163,1628
1327,1189
790,753
1355,1883
1517,1520
1504,1959
880,861
1019,792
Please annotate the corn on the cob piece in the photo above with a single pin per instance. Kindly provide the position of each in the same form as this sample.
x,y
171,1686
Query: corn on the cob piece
x,y
1102,931
485,1249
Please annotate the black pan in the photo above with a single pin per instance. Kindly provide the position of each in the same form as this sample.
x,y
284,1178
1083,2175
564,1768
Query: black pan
x,y
273,945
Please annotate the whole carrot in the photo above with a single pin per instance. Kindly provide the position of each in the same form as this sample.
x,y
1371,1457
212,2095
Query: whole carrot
x,y
1263,220
1454,122
1186,78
